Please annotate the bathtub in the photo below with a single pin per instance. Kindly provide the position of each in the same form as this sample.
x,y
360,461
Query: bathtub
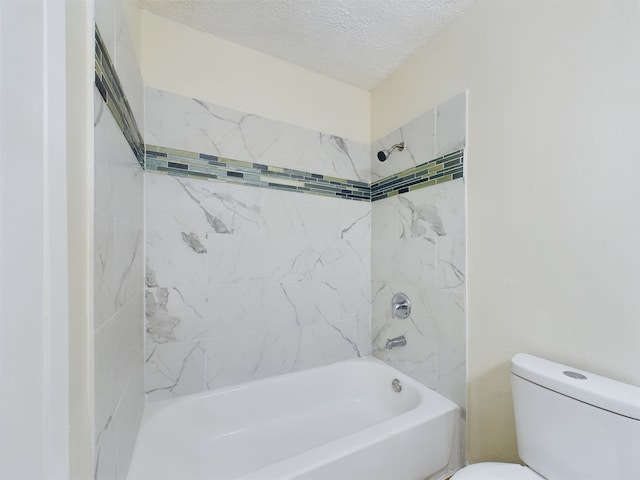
x,y
342,421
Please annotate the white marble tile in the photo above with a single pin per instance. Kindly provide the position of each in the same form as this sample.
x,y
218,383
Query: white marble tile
x,y
174,369
449,199
277,309
324,343
279,350
406,260
181,204
298,215
452,376
118,271
118,266
355,218
127,423
233,309
104,284
451,263
118,349
355,301
419,216
106,142
342,260
434,211
106,453
385,221
176,259
263,354
314,217
118,177
235,259
299,303
189,124
128,262
411,215
449,319
362,335
176,314
451,124
194,313
419,138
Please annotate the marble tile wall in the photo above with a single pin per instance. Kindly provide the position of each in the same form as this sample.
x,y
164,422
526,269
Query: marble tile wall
x,y
244,282
118,261
190,124
435,133
418,247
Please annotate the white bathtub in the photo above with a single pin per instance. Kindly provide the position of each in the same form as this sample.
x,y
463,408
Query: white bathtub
x,y
342,421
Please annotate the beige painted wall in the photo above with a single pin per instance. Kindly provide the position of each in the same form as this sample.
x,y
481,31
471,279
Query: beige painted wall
x,y
192,63
553,188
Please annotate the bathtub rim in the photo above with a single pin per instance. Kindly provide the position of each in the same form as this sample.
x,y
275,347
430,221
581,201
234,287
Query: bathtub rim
x,y
153,409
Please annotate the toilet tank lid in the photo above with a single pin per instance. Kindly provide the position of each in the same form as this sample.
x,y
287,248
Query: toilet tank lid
x,y
612,395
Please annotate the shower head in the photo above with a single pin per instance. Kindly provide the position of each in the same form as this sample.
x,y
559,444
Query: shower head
x,y
384,154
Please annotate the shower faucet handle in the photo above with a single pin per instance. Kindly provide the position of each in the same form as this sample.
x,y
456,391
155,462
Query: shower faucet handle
x,y
400,305
401,310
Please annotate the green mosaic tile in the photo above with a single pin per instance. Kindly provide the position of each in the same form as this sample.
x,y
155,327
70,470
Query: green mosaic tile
x,y
423,185
113,94
237,172
439,170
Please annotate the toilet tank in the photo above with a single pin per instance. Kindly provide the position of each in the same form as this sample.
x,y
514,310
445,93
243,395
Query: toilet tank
x,y
575,425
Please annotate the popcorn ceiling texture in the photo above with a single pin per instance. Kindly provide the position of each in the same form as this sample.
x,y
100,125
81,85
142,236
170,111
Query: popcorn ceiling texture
x,y
359,42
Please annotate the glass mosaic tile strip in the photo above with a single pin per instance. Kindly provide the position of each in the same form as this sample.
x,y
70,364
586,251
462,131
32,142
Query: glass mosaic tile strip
x,y
443,169
109,86
205,166
201,165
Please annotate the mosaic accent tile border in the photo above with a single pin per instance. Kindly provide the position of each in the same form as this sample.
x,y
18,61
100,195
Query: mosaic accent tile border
x,y
183,163
201,165
107,82
439,170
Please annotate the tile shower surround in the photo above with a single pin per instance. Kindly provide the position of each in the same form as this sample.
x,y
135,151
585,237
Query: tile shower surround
x,y
243,283
182,366
118,242
418,247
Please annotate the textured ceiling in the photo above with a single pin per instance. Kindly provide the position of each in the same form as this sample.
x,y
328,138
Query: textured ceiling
x,y
357,41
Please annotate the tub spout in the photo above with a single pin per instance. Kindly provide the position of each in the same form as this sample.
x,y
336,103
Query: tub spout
x,y
400,341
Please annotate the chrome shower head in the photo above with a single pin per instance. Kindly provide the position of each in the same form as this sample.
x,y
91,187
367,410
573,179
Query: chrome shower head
x,y
384,154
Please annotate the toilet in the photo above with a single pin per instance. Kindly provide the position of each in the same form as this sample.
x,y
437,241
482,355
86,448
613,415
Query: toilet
x,y
570,425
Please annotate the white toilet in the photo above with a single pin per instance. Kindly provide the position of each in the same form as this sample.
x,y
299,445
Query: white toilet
x,y
570,424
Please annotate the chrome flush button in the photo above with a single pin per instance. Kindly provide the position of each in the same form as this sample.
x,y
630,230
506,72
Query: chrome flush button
x,y
575,375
